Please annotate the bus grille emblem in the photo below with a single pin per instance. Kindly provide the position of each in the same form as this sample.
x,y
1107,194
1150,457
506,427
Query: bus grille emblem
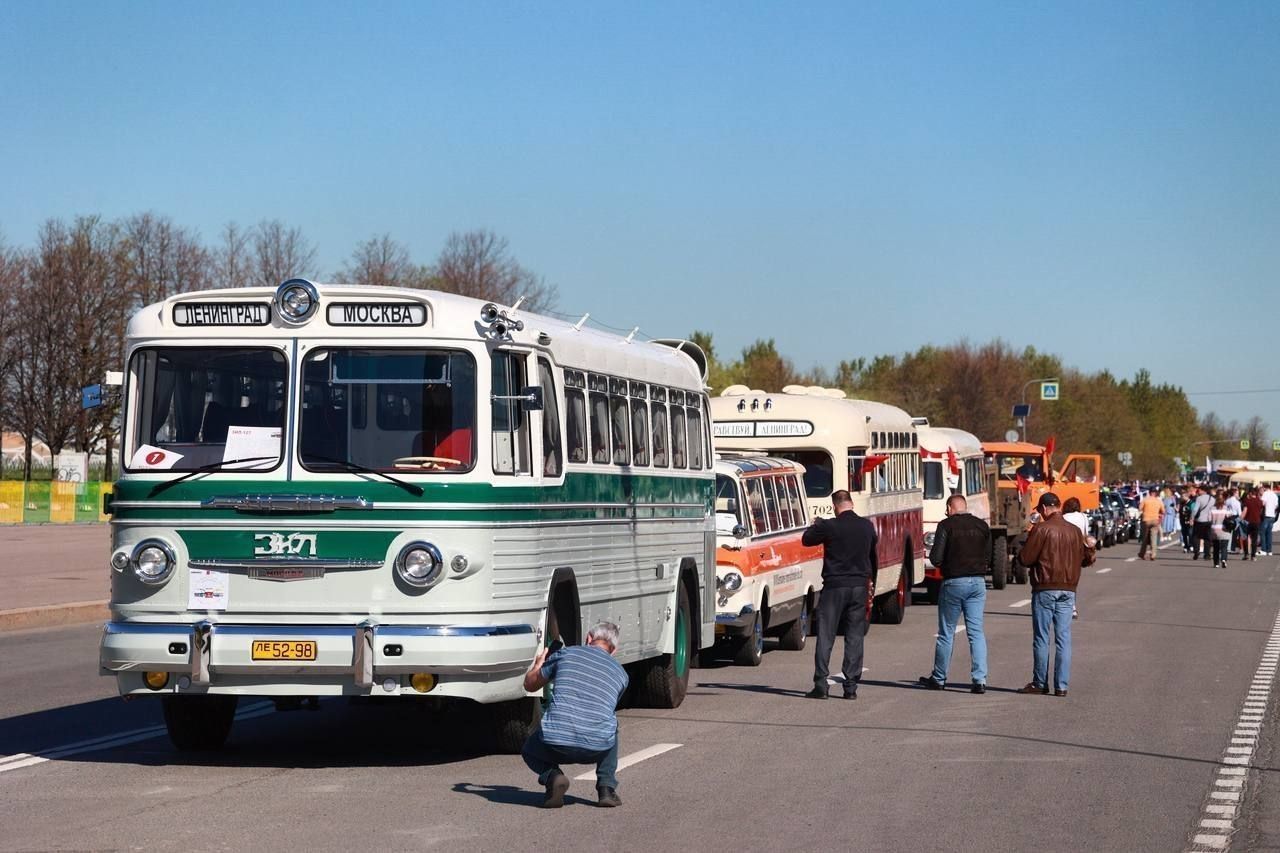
x,y
278,544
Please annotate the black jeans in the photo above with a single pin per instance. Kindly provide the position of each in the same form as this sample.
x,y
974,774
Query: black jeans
x,y
837,605
1252,532
1220,550
1201,532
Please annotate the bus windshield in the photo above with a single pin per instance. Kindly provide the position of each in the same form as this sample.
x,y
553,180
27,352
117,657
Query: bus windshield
x,y
934,488
1013,466
818,470
407,410
200,406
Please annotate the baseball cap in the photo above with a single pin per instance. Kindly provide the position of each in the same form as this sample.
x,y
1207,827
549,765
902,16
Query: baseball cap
x,y
1048,499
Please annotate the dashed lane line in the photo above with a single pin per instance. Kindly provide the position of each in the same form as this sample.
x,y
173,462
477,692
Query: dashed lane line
x,y
1103,571
1222,807
1023,603
1131,559
26,759
634,758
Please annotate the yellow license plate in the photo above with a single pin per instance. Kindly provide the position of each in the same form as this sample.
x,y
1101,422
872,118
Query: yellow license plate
x,y
284,649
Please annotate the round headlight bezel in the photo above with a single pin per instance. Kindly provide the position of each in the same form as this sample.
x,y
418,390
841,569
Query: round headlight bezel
x,y
730,581
287,307
136,559
407,557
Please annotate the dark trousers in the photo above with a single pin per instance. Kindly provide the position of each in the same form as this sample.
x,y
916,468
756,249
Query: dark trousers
x,y
1148,531
841,605
1252,532
1220,550
1201,534
544,759
1186,537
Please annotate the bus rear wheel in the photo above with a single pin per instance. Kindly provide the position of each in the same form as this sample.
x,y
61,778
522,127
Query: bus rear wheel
x,y
665,679
199,723
893,609
797,632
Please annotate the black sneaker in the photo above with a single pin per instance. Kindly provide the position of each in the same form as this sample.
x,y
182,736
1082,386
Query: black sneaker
x,y
557,785
978,687
816,693
851,694
927,681
607,798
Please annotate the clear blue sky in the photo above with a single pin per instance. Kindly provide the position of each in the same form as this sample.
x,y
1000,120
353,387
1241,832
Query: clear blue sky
x,y
1101,180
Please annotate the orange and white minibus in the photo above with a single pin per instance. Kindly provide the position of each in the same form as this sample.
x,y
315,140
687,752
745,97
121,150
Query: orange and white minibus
x,y
951,463
871,449
767,580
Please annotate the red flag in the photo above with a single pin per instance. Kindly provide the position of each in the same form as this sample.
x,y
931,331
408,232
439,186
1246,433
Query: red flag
x,y
952,462
1024,485
1049,446
869,463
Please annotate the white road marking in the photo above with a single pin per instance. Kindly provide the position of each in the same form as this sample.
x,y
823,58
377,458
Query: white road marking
x,y
1023,603
634,758
1131,559
1103,571
21,760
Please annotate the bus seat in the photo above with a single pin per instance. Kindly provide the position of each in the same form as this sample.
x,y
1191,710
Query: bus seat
x,y
456,445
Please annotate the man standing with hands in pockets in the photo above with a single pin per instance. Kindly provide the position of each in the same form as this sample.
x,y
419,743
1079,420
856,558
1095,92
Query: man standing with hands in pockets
x,y
848,564
962,552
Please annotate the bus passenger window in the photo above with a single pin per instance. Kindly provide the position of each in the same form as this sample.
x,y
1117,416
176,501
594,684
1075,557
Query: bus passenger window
x,y
639,432
770,504
798,510
784,503
600,428
621,431
576,423
696,440
755,503
510,420
659,435
678,437
551,450
933,488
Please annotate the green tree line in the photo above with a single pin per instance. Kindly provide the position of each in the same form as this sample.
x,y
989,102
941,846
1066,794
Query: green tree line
x,y
973,387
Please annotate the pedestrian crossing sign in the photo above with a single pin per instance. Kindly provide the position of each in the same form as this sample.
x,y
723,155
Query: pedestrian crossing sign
x,y
1244,444
1048,390
1275,444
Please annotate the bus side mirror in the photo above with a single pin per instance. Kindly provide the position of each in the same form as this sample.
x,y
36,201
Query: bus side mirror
x,y
532,398
739,532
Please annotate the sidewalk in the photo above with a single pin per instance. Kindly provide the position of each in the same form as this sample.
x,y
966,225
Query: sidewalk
x,y
53,574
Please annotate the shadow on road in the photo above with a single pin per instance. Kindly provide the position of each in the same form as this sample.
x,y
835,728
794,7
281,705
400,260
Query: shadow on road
x,y
509,795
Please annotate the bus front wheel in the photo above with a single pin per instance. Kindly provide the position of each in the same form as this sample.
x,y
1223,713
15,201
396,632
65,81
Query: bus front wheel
x,y
666,677
513,722
198,723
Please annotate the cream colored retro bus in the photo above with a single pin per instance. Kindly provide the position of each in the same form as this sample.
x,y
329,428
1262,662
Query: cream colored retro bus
x,y
869,448
353,491
951,463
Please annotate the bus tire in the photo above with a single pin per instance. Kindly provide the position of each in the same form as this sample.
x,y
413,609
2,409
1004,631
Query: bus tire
x,y
199,723
999,564
932,590
665,679
793,639
512,722
893,609
750,650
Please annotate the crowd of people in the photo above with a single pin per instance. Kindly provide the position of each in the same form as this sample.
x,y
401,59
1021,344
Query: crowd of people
x,y
1219,522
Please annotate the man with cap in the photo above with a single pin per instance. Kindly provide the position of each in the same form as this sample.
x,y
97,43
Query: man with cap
x,y
1055,551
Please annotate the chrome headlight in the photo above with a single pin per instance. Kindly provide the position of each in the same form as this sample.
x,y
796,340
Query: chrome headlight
x,y
928,539
730,581
297,300
419,563
153,561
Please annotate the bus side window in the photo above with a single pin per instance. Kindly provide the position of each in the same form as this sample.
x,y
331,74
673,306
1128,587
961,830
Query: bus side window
x,y
770,504
797,501
552,452
706,432
600,428
639,432
696,441
621,430
784,502
678,437
659,435
576,424
857,482
510,421
755,503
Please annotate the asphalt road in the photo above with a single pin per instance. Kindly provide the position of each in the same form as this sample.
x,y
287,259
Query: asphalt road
x,y
1164,655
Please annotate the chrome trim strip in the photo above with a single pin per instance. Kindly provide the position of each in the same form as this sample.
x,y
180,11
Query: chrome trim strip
x,y
286,503
399,524
238,564
362,657
282,631
452,630
201,651
145,628
206,629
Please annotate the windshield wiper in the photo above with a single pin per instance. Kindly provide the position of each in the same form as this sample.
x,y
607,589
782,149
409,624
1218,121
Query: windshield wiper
x,y
205,469
357,468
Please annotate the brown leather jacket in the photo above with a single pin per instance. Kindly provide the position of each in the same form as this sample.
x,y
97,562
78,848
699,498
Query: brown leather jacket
x,y
1055,551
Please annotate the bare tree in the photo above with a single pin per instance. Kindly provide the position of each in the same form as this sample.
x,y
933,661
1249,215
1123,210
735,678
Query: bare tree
x,y
161,259
383,262
280,253
232,265
479,264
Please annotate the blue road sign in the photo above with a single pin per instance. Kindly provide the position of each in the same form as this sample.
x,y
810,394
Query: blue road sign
x,y
1048,390
91,397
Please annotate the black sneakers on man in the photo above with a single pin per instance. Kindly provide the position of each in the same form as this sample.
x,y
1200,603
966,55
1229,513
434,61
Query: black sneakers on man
x,y
557,785
607,798
978,687
818,692
927,681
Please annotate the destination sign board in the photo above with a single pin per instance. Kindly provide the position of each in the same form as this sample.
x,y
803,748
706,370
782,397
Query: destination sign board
x,y
377,314
761,429
222,314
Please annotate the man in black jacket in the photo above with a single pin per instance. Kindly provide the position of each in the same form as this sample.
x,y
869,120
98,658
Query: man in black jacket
x,y
962,552
848,564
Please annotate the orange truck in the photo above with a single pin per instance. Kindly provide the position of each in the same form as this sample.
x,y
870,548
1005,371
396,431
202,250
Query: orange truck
x,y
1018,473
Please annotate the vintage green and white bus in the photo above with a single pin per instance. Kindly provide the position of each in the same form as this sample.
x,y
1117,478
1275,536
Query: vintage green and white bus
x,y
334,490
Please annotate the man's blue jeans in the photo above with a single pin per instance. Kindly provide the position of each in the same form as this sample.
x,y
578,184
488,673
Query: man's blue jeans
x,y
1051,608
967,595
545,758
1264,535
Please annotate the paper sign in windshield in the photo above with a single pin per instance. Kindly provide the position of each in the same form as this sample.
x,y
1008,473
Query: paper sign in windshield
x,y
151,458
207,590
251,442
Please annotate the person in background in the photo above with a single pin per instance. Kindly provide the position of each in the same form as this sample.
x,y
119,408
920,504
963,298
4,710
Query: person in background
x,y
1251,520
1218,516
1201,524
1186,515
1071,513
1152,509
962,552
581,724
1270,502
1234,511
1170,524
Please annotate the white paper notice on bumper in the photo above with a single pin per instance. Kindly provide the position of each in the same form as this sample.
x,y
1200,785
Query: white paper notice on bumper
x,y
207,589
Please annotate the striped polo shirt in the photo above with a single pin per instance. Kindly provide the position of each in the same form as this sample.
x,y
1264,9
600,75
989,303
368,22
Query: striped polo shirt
x,y
587,683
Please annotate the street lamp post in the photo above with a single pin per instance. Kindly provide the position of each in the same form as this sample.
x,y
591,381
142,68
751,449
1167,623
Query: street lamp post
x,y
1026,385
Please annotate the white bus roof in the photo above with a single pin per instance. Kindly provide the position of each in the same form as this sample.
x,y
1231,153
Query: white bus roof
x,y
794,419
941,439
729,463
442,316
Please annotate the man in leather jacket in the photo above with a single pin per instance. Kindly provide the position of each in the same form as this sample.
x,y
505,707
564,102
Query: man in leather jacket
x,y
1055,552
962,552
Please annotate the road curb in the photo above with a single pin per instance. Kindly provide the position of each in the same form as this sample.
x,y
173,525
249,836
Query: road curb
x,y
50,615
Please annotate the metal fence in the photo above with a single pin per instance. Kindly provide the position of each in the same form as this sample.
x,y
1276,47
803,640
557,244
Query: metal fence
x,y
44,502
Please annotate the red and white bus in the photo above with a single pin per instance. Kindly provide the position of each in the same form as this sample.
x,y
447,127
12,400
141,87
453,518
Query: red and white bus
x,y
871,449
951,463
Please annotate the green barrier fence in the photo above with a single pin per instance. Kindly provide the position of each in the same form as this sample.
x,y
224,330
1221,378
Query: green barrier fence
x,y
43,502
